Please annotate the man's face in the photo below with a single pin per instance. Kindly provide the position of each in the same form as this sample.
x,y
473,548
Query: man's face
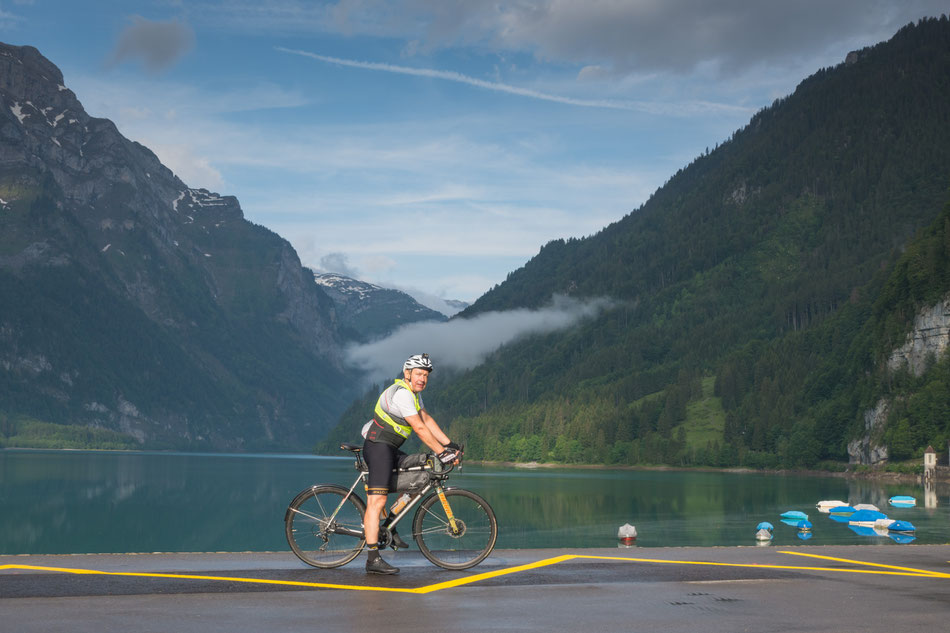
x,y
417,378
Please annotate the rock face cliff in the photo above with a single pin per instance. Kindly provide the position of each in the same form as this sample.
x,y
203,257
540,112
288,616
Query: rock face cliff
x,y
925,344
135,303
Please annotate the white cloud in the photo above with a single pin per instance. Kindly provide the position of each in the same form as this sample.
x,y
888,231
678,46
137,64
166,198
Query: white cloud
x,y
461,344
635,36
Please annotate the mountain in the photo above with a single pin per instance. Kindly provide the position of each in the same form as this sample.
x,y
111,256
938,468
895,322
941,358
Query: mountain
x,y
367,312
750,324
139,311
456,305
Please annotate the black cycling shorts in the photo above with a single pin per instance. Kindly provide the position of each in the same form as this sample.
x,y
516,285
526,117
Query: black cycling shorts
x,y
380,459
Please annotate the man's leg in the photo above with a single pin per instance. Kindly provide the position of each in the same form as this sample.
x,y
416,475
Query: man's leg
x,y
380,458
374,562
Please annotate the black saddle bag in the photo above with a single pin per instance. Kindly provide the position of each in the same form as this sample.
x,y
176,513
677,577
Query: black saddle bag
x,y
409,474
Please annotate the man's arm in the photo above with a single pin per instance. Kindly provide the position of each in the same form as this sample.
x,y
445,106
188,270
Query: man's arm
x,y
428,431
434,427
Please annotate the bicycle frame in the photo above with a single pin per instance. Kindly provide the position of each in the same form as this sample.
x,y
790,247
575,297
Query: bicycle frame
x,y
392,521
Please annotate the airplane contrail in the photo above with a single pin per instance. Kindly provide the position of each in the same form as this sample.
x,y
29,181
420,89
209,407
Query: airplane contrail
x,y
448,75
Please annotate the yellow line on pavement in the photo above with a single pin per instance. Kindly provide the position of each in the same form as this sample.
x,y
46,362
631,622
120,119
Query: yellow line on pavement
x,y
465,580
263,581
493,574
916,572
924,572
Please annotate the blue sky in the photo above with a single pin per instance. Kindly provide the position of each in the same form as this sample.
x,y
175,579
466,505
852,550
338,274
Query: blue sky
x,y
435,146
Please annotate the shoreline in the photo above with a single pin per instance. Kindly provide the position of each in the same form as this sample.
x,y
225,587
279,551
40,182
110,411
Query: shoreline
x,y
942,475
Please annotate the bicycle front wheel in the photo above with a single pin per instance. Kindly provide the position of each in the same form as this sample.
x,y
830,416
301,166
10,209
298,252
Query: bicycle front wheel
x,y
324,527
461,542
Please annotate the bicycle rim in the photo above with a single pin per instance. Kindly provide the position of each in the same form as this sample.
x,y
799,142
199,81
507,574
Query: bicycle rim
x,y
468,543
314,533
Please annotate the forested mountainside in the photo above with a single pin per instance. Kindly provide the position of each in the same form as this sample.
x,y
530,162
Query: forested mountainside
x,y
759,292
136,311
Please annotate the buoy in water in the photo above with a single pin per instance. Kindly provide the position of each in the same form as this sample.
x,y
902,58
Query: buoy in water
x,y
627,534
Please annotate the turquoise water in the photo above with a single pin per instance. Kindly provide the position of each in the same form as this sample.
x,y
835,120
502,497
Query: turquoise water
x,y
56,502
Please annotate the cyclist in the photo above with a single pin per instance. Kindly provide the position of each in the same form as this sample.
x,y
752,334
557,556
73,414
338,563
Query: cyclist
x,y
399,412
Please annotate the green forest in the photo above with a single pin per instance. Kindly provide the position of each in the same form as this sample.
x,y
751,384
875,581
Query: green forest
x,y
757,294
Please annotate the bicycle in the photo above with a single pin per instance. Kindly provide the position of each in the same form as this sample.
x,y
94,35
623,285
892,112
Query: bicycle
x,y
454,528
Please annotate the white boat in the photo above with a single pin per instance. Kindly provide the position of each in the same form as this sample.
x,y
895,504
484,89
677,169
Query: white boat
x,y
868,518
866,506
826,506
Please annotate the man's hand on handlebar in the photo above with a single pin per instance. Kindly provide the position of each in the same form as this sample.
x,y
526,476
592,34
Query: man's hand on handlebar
x,y
450,456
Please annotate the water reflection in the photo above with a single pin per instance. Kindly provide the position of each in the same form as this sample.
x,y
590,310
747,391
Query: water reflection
x,y
71,501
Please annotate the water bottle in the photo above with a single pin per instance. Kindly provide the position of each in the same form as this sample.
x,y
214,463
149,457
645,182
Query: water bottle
x,y
400,503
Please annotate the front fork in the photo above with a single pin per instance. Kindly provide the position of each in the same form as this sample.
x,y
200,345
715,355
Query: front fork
x,y
453,524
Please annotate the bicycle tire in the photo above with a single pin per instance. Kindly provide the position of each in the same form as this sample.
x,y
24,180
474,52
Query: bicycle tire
x,y
476,536
311,535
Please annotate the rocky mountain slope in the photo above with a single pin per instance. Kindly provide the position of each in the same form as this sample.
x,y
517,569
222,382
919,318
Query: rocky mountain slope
x,y
134,303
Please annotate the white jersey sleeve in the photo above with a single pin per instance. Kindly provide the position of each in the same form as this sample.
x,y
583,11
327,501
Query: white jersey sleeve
x,y
402,404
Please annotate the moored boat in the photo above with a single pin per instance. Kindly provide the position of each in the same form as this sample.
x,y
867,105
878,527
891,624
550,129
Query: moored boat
x,y
826,506
902,501
794,514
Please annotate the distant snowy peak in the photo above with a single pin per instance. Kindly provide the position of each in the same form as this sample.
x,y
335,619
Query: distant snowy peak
x,y
367,311
347,286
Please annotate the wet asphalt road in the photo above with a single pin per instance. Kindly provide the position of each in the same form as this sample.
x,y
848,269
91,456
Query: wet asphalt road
x,y
830,588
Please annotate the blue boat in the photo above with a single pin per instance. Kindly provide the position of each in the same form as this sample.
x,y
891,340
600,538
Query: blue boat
x,y
866,517
902,501
803,525
901,526
765,525
794,514
842,510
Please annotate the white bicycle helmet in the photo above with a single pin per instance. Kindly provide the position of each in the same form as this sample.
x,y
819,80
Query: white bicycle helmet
x,y
418,361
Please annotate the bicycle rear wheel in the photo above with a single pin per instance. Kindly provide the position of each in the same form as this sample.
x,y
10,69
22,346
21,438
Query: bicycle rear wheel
x,y
318,536
464,545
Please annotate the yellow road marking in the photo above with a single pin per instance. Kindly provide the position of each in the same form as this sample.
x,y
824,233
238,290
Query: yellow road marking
x,y
910,572
494,574
458,582
264,581
925,572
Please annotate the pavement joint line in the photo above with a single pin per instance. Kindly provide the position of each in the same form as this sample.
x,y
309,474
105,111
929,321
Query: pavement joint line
x,y
458,582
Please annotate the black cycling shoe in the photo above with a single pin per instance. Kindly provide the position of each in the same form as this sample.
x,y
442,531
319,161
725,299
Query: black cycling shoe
x,y
379,566
397,542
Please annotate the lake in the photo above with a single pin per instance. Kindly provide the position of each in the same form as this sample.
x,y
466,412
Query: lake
x,y
59,502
